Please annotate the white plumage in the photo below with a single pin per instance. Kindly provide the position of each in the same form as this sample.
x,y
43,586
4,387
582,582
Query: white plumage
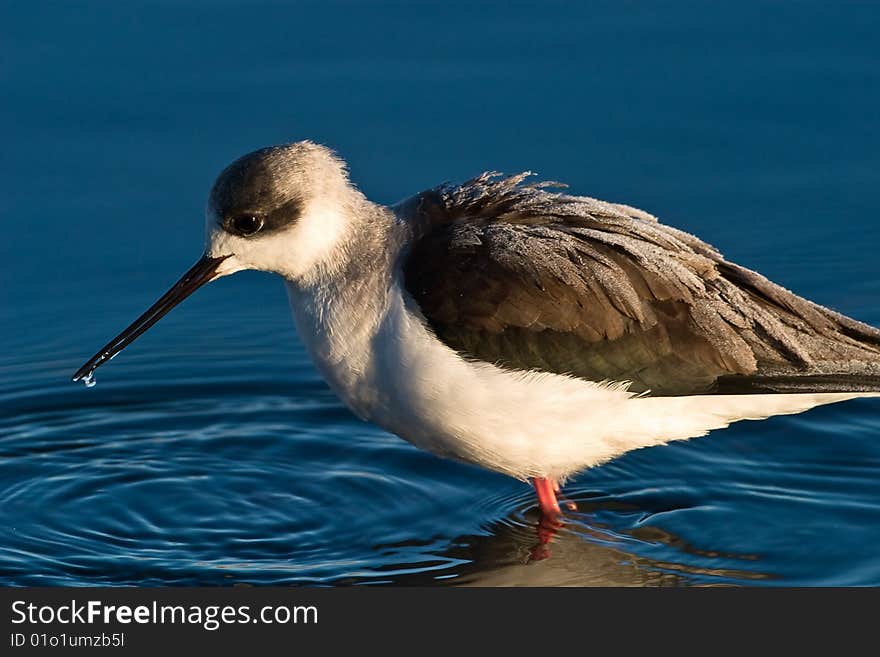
x,y
389,369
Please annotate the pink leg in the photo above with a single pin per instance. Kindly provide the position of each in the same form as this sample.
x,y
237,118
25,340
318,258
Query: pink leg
x,y
546,490
550,522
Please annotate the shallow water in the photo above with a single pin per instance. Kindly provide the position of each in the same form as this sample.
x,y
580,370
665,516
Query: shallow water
x,y
211,452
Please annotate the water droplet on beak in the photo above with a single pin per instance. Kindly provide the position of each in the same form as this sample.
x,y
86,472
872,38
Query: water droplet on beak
x,y
89,379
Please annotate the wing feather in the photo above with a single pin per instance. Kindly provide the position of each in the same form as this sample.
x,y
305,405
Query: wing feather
x,y
513,274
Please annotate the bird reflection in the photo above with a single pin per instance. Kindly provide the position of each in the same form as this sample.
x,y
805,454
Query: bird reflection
x,y
527,549
546,529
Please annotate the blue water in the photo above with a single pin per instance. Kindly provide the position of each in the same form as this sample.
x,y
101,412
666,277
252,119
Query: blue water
x,y
211,452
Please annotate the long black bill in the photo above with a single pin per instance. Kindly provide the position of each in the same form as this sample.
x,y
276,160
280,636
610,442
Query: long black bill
x,y
202,272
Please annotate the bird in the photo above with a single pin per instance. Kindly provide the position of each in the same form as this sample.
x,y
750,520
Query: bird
x,y
506,323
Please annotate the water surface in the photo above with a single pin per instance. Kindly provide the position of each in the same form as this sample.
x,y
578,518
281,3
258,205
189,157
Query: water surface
x,y
212,453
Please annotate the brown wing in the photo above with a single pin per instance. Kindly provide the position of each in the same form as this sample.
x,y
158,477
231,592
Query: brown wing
x,y
527,279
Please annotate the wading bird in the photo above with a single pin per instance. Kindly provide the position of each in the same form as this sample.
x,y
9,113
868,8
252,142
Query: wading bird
x,y
531,332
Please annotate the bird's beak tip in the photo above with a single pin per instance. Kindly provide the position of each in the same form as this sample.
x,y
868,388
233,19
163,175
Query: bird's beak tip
x,y
204,271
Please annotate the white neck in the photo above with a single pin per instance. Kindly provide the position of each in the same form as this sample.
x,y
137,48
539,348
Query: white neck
x,y
339,307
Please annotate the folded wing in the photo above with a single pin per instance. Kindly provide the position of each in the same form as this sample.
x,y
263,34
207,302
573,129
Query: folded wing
x,y
518,276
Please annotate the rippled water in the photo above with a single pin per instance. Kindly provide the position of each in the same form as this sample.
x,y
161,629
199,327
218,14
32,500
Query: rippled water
x,y
211,452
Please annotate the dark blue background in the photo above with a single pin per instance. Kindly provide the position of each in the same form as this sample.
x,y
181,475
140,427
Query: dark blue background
x,y
212,453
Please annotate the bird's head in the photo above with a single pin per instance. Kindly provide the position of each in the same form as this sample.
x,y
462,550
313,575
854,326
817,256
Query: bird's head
x,y
279,209
282,209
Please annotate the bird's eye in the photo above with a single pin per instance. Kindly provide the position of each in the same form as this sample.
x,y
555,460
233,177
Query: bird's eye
x,y
246,224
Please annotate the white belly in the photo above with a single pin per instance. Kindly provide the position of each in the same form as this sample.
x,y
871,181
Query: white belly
x,y
399,376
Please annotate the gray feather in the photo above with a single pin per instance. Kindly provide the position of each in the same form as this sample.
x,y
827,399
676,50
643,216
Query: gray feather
x,y
515,275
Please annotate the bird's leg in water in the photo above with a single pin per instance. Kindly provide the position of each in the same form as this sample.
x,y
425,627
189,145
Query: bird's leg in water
x,y
549,523
546,490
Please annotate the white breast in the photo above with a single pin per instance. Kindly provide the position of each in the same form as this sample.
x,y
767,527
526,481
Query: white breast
x,y
389,369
